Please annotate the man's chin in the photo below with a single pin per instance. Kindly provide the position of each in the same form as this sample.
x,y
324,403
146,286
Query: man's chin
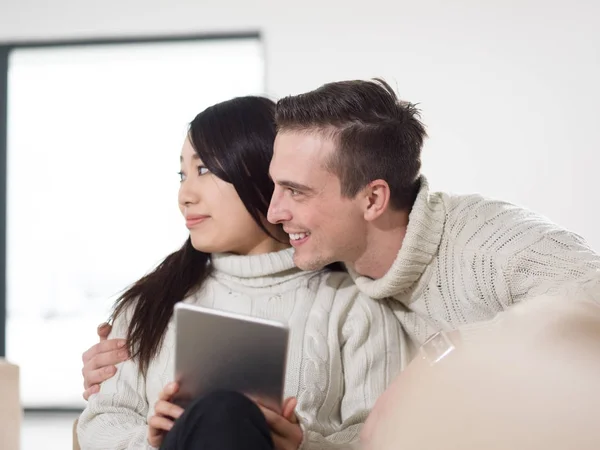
x,y
306,263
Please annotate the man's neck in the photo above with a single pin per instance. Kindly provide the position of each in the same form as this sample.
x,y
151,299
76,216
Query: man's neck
x,y
384,241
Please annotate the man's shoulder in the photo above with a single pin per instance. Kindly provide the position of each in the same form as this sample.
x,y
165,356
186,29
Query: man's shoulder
x,y
481,224
483,209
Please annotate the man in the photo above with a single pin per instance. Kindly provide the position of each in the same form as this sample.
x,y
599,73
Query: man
x,y
348,188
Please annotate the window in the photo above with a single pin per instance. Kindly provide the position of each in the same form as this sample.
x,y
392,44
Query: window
x,y
94,135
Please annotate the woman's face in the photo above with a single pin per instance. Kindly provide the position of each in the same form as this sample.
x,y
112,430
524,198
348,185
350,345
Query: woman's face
x,y
214,214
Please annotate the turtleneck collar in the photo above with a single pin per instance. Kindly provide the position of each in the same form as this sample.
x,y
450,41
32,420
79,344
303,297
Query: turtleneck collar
x,y
420,245
263,270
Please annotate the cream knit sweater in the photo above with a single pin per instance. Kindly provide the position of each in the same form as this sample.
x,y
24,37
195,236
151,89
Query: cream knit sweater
x,y
466,258
344,351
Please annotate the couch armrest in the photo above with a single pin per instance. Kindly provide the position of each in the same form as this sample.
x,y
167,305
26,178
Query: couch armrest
x,y
10,406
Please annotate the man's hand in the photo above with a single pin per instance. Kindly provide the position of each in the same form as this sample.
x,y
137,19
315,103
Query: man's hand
x,y
285,430
99,362
165,414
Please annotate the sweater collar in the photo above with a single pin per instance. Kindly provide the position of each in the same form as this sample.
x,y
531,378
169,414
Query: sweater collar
x,y
420,245
267,269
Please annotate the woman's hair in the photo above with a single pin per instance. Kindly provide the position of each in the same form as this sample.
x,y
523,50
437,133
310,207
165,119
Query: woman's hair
x,y
234,140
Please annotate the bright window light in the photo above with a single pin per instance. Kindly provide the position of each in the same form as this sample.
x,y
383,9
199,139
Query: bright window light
x,y
94,135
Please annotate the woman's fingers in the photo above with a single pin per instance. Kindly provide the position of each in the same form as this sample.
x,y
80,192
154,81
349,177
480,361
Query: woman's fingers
x,y
168,409
168,391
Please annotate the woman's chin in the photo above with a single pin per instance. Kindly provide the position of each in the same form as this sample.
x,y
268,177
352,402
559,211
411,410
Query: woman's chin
x,y
203,246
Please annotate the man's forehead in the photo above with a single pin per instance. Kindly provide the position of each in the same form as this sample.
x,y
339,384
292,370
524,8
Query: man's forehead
x,y
304,145
300,157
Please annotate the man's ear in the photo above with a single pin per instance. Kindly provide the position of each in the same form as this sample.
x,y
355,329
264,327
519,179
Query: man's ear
x,y
376,199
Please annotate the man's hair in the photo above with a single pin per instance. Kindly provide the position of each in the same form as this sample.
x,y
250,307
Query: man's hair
x,y
377,136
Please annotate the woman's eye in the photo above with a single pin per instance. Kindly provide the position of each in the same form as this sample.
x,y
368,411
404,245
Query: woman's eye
x,y
201,171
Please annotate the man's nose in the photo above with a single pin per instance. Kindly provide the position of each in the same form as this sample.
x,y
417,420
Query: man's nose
x,y
277,213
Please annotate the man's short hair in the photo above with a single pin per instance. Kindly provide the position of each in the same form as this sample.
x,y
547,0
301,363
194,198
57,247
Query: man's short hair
x,y
377,136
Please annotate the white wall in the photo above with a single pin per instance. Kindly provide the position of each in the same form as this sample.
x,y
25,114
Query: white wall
x,y
509,89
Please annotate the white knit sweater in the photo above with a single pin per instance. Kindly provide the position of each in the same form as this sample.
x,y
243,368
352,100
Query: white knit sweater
x,y
344,350
466,258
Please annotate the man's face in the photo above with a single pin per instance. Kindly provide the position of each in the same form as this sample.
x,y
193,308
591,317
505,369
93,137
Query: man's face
x,y
323,226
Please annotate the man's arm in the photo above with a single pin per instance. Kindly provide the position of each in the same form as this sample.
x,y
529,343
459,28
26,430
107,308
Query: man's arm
x,y
100,360
560,263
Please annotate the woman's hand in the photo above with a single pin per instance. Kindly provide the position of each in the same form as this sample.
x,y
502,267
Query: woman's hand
x,y
285,430
165,413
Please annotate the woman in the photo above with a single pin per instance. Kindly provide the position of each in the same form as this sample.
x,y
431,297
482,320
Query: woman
x,y
344,348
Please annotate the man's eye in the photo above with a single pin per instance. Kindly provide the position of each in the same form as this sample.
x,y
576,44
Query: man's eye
x,y
293,192
202,170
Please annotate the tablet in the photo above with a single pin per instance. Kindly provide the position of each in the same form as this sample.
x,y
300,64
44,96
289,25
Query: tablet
x,y
218,350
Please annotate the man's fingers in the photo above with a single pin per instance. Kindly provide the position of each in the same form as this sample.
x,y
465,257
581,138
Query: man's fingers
x,y
93,377
104,330
115,348
103,347
100,361
168,409
168,391
109,358
91,390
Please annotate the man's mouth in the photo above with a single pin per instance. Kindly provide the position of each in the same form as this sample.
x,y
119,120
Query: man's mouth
x,y
298,236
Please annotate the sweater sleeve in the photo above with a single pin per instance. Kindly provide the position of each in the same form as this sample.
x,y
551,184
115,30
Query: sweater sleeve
x,y
372,346
558,264
116,417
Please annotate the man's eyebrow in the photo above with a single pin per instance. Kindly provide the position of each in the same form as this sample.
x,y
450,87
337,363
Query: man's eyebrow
x,y
295,186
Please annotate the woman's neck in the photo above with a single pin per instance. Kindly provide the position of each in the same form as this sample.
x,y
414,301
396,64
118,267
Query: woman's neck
x,y
277,240
269,245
